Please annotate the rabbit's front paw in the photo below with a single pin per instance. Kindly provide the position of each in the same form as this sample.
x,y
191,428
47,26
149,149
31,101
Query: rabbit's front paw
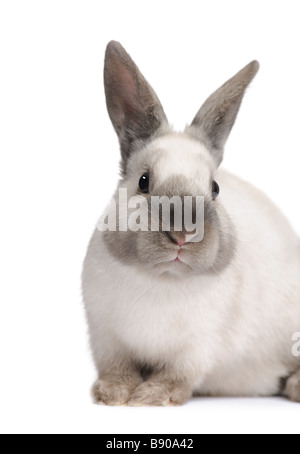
x,y
113,391
293,387
151,393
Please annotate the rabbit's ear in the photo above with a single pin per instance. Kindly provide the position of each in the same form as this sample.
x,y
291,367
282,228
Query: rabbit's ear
x,y
134,108
216,117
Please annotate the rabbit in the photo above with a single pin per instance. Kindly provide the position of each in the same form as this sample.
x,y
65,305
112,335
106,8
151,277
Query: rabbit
x,y
168,318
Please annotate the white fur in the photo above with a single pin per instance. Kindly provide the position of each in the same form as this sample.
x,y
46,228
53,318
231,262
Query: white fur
x,y
176,156
227,334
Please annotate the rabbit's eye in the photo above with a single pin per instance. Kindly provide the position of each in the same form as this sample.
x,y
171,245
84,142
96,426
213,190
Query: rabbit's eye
x,y
144,183
215,190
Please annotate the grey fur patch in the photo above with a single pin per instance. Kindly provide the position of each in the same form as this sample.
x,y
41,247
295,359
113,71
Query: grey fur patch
x,y
150,250
281,386
133,106
215,119
116,388
292,388
162,388
146,371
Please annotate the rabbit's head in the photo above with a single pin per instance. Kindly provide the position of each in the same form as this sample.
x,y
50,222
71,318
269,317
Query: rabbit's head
x,y
158,162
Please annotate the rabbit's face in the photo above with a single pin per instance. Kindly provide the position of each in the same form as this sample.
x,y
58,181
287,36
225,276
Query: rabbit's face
x,y
157,162
175,165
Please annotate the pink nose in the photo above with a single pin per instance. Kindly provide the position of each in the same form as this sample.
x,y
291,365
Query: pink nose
x,y
180,243
176,238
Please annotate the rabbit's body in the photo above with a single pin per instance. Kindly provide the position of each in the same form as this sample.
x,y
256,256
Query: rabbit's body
x,y
222,325
232,333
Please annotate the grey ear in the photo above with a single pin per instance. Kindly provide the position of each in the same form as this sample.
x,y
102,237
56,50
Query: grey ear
x,y
216,117
134,108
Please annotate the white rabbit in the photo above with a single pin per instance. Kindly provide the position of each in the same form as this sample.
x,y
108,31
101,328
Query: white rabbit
x,y
167,318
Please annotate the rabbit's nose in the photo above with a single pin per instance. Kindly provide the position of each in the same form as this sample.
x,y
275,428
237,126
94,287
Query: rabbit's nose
x,y
177,238
180,243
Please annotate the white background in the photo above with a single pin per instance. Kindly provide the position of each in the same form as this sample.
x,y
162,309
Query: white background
x,y
59,166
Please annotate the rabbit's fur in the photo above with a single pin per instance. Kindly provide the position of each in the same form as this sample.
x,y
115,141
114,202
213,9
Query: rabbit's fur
x,y
220,322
